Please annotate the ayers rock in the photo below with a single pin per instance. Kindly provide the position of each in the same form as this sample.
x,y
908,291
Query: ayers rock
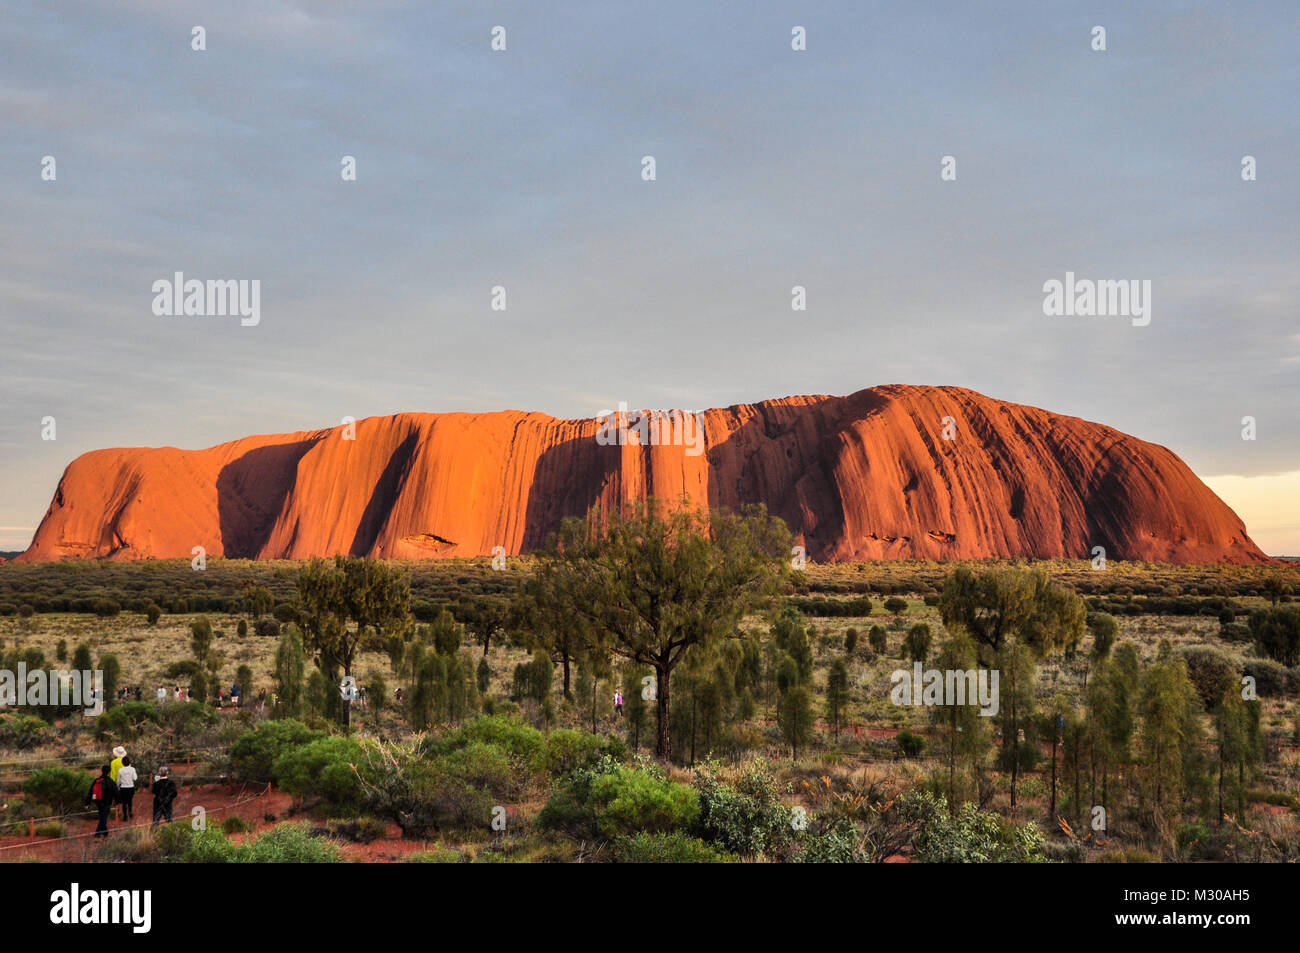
x,y
866,476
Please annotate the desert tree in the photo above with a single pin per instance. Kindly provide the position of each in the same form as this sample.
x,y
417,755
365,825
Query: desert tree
x,y
916,644
658,582
837,695
289,672
960,736
344,603
1014,616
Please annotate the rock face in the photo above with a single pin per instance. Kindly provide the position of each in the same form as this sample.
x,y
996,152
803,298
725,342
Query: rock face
x,y
868,476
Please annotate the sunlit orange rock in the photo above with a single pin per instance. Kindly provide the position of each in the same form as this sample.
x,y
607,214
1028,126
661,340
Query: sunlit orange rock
x,y
868,476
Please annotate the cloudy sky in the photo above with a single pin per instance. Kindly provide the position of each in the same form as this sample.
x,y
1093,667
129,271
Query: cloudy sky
x,y
522,169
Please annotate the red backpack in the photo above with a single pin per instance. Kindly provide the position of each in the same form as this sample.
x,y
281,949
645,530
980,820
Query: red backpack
x,y
97,789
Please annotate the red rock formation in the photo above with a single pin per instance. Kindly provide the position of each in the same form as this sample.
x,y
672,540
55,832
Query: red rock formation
x,y
867,476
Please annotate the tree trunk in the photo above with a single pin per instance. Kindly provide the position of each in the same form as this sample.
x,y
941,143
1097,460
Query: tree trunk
x,y
564,663
663,744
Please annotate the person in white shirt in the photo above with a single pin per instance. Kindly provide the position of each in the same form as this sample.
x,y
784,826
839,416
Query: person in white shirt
x,y
126,776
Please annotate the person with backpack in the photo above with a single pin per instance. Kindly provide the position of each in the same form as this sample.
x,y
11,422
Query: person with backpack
x,y
102,794
164,795
126,778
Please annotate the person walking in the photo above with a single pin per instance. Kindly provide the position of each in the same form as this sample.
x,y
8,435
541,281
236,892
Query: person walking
x,y
234,694
618,704
118,754
164,796
102,794
126,778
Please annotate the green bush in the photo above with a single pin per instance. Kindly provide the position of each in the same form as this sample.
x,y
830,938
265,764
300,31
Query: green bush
x,y
611,800
671,848
1211,673
235,825
210,846
1270,677
23,732
253,756
748,818
971,836
125,722
520,740
63,789
482,766
436,855
288,844
323,768
567,750
52,829
909,744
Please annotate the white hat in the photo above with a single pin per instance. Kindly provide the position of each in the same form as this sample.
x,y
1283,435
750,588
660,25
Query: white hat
x,y
119,752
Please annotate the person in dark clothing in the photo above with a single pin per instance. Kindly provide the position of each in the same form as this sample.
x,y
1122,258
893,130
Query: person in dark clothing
x,y
164,795
102,794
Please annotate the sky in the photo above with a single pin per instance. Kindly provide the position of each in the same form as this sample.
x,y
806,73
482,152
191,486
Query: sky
x,y
522,169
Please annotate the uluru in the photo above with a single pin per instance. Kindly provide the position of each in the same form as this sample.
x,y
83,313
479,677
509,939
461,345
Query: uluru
x,y
889,472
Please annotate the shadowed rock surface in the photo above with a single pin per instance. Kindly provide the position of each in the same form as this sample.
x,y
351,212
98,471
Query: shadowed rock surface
x,y
866,476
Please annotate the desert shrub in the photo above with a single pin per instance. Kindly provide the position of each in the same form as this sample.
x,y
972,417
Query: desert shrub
x,y
1026,754
435,855
1270,677
518,739
288,844
125,721
52,829
126,847
909,745
670,848
1210,673
566,750
878,639
896,605
266,628
25,611
152,614
1276,633
747,818
242,628
322,768
235,825
482,766
1127,855
358,830
63,789
417,793
173,840
253,756
1064,852
970,836
209,846
1202,842
23,732
611,800
106,608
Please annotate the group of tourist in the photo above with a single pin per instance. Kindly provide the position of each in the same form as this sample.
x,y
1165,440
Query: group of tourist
x,y
116,786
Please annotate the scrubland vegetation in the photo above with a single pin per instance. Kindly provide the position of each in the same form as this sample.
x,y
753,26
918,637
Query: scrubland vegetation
x,y
1145,712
